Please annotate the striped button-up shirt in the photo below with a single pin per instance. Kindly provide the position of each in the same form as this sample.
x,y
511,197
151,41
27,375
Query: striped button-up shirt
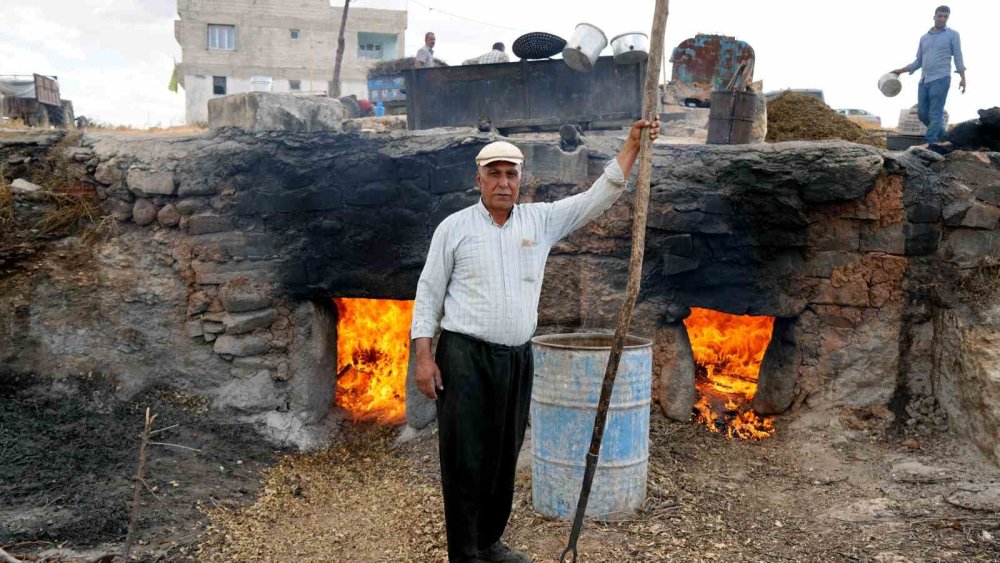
x,y
484,280
935,52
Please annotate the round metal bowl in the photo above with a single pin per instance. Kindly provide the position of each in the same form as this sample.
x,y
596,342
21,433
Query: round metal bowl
x,y
630,48
538,45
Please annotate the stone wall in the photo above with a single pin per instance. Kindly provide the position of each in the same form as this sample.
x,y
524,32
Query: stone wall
x,y
232,244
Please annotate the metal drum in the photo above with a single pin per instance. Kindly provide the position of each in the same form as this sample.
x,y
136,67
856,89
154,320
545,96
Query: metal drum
x,y
569,369
630,48
584,47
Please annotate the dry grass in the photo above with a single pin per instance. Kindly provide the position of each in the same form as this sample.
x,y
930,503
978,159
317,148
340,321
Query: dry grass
x,y
178,130
13,124
6,204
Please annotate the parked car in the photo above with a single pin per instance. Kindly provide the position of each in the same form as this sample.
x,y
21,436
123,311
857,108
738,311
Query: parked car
x,y
863,118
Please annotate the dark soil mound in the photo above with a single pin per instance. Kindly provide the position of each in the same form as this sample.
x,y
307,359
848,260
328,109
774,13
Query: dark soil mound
x,y
68,452
798,117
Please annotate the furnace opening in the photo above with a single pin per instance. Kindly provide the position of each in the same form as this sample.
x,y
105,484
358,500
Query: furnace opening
x,y
728,350
373,347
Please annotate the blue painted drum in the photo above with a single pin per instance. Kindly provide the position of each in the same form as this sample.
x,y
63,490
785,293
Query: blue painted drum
x,y
569,370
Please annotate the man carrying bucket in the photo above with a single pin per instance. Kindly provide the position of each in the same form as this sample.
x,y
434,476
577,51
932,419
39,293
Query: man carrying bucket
x,y
480,285
934,54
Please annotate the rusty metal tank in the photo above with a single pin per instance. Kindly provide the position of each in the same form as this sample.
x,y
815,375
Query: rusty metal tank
x,y
705,63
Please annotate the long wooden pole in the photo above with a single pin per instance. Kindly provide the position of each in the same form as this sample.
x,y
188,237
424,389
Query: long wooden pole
x,y
650,106
335,89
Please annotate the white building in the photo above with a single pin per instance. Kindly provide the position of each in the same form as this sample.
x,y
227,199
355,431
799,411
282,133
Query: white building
x,y
294,42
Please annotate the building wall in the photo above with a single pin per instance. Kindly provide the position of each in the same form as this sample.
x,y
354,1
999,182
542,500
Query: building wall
x,y
264,46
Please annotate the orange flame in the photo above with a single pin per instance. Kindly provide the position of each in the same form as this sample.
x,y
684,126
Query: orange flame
x,y
373,349
728,350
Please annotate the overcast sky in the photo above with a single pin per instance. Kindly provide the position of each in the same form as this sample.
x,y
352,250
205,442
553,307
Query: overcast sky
x,y
114,57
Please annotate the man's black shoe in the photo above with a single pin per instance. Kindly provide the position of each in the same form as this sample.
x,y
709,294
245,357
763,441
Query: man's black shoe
x,y
500,552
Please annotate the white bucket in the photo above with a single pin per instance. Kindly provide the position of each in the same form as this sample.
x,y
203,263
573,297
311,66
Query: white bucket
x,y
889,84
584,47
260,83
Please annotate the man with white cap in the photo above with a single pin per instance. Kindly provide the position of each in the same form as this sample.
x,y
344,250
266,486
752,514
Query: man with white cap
x,y
480,285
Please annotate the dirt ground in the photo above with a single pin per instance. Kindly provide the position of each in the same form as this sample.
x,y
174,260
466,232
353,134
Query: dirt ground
x,y
843,486
826,487
68,452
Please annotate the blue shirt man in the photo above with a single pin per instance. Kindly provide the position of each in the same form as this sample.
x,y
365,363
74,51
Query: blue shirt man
x,y
934,54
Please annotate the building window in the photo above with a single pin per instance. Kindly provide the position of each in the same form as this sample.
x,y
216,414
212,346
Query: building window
x,y
294,85
295,33
221,37
219,85
377,46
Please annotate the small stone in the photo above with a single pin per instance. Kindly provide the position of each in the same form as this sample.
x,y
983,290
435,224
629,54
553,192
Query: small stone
x,y
150,182
234,346
240,323
168,216
193,329
213,328
108,173
912,443
241,295
198,302
23,187
206,224
144,212
282,373
209,337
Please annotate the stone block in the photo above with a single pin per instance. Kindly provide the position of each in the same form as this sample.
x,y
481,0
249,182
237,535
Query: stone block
x,y
193,329
966,246
253,395
204,224
673,265
143,212
677,395
120,210
836,234
921,238
213,327
678,245
108,173
265,111
981,216
420,410
778,370
240,323
192,205
240,346
924,212
889,238
373,194
242,295
989,194
145,183
168,216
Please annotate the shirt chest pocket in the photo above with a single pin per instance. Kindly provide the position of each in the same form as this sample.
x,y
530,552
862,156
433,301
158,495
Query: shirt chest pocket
x,y
530,256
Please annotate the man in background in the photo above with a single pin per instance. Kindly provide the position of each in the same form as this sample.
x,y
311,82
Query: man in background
x,y
425,56
934,54
497,55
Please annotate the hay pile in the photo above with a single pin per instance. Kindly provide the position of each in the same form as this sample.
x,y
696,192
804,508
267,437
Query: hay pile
x,y
798,117
396,66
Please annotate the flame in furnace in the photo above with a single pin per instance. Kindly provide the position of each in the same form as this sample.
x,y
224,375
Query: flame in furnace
x,y
373,349
728,350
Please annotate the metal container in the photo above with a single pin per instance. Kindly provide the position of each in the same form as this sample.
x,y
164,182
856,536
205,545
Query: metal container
x,y
584,47
540,94
569,370
889,84
630,48
731,117
703,64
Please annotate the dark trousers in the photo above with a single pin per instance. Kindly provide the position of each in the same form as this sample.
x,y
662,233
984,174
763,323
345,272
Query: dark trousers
x,y
482,415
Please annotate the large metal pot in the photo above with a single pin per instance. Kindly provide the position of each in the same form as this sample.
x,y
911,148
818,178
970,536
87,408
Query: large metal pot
x,y
584,47
630,48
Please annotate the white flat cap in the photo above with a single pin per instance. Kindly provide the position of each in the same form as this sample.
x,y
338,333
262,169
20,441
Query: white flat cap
x,y
499,151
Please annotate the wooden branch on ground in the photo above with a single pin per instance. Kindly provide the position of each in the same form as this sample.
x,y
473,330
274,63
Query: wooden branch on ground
x,y
8,558
140,474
